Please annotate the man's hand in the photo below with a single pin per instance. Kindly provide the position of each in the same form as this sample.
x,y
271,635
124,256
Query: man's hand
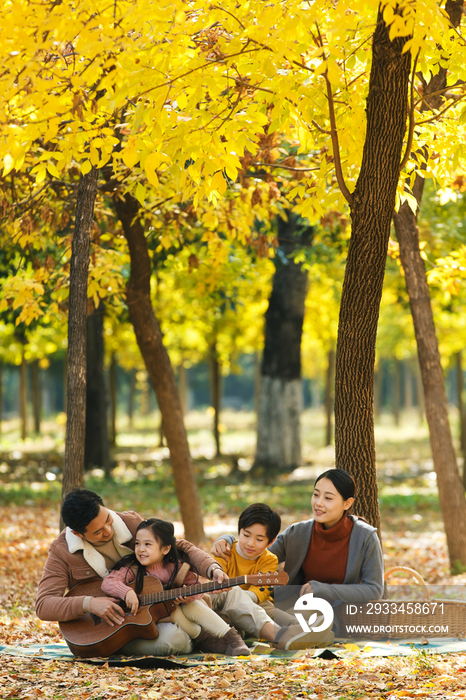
x,y
222,549
307,588
132,602
108,610
219,575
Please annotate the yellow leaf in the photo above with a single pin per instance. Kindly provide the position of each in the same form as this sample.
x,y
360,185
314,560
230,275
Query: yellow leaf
x,y
8,163
130,156
218,183
140,193
86,167
151,162
52,168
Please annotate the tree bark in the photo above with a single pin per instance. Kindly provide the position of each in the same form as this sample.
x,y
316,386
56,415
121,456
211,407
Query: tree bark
x,y
378,391
36,395
280,401
451,492
329,395
159,367
183,382
77,333
372,205
215,395
96,447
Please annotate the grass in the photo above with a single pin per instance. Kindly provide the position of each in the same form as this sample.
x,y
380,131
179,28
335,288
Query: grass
x,y
142,479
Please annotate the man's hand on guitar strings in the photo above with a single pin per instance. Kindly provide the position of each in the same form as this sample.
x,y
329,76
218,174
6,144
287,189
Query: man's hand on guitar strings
x,y
108,610
219,575
132,602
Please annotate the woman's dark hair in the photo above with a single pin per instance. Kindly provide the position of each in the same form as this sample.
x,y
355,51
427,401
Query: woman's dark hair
x,y
263,514
79,508
343,482
164,532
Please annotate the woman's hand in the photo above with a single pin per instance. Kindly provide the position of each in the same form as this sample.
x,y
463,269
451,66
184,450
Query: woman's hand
x,y
221,549
132,602
307,588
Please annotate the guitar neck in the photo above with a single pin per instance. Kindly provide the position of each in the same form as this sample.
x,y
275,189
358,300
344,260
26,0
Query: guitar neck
x,y
198,588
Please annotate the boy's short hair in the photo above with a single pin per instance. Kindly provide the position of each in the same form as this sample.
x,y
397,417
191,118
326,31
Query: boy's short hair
x,y
264,515
79,508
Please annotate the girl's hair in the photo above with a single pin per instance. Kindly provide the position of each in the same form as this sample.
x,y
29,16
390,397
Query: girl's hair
x,y
343,482
164,532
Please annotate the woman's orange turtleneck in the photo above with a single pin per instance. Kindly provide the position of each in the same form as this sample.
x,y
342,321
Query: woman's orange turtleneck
x,y
327,555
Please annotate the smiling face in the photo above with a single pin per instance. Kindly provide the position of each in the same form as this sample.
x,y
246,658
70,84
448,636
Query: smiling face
x,y
253,540
328,504
147,549
100,529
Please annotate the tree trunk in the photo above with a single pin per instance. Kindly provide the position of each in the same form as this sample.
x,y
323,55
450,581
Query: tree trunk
x,y
257,383
113,399
280,402
451,493
77,331
372,205
36,395
23,392
215,394
329,384
158,365
96,450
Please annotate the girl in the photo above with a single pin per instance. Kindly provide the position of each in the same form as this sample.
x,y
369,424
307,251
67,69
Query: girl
x,y
156,554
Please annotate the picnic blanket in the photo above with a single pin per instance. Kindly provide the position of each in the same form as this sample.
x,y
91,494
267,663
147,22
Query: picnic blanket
x,y
340,649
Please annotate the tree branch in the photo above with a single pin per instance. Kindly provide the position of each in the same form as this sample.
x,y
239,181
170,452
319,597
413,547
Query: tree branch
x,y
409,143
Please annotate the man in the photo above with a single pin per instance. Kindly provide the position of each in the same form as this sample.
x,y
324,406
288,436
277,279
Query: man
x,y
94,539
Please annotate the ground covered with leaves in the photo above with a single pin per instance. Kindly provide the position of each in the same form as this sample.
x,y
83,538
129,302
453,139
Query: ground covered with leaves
x,y
412,533
422,675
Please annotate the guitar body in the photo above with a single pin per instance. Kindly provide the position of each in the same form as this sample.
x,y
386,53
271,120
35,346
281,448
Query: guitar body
x,y
89,635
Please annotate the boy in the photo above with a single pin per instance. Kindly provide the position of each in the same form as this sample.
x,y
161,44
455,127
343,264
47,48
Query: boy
x,y
258,526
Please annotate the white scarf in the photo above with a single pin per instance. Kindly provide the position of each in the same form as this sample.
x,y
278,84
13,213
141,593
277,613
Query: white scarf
x,y
121,534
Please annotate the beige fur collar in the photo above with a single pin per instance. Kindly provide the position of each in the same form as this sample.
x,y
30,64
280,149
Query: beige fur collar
x,y
91,555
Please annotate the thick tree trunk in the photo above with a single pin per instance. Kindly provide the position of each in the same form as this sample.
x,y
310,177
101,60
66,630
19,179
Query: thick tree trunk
x,y
23,393
158,365
113,399
329,395
451,493
372,205
77,333
280,402
36,394
215,395
96,448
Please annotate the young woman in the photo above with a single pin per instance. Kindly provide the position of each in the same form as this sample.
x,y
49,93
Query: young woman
x,y
156,554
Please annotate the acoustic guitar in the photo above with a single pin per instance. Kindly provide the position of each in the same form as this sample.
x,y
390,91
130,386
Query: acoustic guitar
x,y
89,635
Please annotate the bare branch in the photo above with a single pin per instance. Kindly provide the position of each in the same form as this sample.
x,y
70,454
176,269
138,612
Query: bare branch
x,y
409,143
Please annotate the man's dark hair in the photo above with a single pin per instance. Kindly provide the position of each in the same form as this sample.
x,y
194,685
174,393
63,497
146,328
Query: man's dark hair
x,y
79,508
264,515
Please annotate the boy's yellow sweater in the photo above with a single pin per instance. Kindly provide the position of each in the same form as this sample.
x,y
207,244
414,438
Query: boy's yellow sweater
x,y
239,566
